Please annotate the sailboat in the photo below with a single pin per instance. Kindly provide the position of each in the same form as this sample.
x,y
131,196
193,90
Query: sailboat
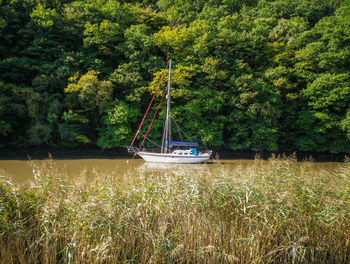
x,y
169,151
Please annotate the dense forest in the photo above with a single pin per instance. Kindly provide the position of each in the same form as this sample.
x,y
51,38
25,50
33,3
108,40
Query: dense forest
x,y
247,74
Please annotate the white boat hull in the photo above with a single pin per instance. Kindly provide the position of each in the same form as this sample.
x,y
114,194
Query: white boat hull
x,y
173,158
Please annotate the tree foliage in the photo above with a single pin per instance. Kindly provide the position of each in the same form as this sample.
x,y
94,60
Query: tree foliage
x,y
264,75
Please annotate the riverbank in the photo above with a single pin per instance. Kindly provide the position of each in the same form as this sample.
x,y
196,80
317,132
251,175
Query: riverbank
x,y
121,153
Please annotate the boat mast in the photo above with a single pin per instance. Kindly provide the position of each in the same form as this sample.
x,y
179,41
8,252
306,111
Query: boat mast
x,y
167,126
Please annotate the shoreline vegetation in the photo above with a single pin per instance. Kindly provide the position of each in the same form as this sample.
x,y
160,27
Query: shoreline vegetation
x,y
268,75
89,152
275,211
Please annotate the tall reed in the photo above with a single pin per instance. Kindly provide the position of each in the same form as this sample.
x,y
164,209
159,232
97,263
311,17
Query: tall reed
x,y
276,211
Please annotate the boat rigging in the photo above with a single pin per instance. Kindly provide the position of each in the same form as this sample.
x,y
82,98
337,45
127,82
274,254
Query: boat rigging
x,y
186,154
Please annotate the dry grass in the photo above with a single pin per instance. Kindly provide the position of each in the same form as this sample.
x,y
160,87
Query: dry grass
x,y
276,211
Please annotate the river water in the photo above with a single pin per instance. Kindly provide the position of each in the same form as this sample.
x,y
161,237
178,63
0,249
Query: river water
x,y
21,171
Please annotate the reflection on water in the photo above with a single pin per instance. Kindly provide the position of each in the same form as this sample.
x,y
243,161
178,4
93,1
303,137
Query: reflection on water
x,y
209,167
21,171
150,166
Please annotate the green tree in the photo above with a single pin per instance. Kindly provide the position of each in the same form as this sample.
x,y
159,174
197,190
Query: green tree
x,y
328,101
116,130
93,93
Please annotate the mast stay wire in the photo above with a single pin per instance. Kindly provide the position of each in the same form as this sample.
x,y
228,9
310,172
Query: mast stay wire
x,y
154,116
150,140
180,130
148,108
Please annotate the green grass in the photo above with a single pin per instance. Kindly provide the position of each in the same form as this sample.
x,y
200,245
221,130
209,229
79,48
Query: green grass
x,y
276,211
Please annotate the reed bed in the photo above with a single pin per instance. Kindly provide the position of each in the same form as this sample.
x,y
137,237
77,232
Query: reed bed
x,y
276,211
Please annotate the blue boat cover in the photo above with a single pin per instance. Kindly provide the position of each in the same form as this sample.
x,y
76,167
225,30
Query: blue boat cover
x,y
181,144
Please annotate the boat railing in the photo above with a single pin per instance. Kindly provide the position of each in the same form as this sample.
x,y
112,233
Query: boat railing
x,y
136,149
133,149
153,150
205,152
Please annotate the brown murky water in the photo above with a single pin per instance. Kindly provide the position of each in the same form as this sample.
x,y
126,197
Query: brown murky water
x,y
21,171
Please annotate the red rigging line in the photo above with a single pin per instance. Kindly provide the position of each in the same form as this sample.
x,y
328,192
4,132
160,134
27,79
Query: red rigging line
x,y
145,115
150,125
143,120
